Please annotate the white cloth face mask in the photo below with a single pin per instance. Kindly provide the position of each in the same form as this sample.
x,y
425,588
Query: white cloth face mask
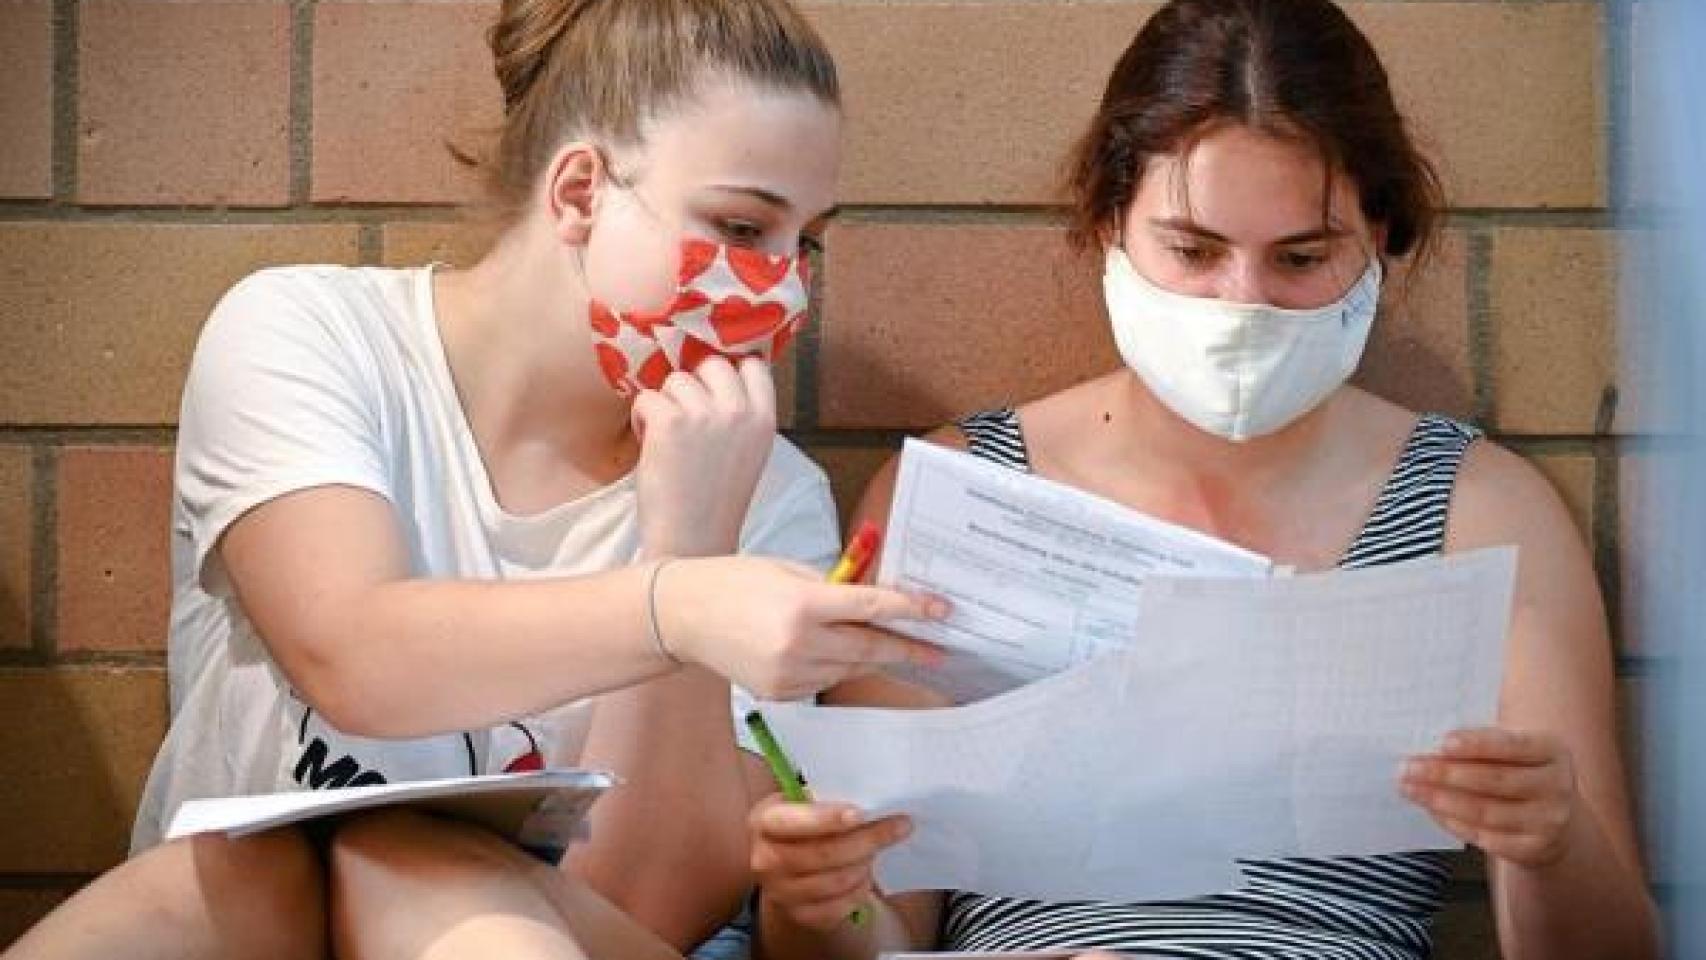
x,y
1236,370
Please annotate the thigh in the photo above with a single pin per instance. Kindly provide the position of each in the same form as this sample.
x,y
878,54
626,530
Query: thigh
x,y
407,885
200,897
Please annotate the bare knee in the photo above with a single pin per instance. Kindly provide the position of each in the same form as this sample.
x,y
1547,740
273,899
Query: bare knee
x,y
264,895
405,884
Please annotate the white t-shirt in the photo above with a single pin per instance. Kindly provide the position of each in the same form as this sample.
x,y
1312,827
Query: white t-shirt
x,y
312,376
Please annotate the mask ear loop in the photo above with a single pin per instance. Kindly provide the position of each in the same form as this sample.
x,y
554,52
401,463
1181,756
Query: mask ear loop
x,y
621,182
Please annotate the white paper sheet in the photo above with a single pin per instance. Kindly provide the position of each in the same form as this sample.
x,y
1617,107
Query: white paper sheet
x,y
1041,576
544,808
1251,718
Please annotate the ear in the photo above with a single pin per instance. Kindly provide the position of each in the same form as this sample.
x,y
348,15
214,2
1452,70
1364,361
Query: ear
x,y
571,184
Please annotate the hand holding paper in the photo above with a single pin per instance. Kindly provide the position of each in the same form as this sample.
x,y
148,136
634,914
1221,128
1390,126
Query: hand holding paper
x,y
1247,718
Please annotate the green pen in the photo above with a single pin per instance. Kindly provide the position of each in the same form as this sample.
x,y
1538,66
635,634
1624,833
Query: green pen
x,y
788,777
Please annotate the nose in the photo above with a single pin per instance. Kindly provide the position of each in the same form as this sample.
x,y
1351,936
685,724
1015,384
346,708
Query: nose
x,y
1243,281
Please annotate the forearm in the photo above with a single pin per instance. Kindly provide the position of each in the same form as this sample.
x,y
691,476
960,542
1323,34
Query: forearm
x,y
884,928
418,657
668,846
1589,904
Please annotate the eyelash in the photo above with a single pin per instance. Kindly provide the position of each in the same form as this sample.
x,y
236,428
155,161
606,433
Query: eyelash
x,y
1292,260
746,234
741,232
1192,256
1289,260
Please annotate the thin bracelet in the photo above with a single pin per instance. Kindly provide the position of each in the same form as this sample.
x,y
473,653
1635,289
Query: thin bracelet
x,y
652,611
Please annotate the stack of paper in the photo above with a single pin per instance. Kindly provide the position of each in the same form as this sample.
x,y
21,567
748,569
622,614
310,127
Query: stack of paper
x,y
542,808
1172,724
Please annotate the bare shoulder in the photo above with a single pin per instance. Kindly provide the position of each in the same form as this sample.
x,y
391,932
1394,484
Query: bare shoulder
x,y
1501,498
1060,414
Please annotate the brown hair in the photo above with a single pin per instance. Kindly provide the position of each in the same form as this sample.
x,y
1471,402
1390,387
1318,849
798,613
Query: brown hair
x,y
600,68
1291,68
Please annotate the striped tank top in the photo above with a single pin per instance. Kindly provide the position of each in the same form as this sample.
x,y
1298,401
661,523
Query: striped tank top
x,y
1366,907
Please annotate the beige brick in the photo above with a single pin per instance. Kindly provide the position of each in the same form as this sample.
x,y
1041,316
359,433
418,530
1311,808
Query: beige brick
x,y
1554,351
1572,475
99,319
26,98
982,118
17,533
458,244
1509,97
990,315
114,530
393,83
21,907
1418,354
184,103
77,744
850,470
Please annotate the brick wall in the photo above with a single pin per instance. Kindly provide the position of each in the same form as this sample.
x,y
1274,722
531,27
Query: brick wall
x,y
156,151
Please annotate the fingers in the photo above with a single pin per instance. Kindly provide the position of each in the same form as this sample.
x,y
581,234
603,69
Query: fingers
x,y
760,386
1501,780
717,386
858,603
1528,849
779,819
814,859
649,407
691,392
1487,813
1508,792
828,915
1505,746
825,836
870,648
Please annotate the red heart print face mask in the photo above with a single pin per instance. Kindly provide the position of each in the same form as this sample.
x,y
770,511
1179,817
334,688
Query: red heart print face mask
x,y
731,302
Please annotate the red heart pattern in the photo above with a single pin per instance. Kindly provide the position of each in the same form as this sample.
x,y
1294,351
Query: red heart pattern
x,y
739,321
759,271
757,303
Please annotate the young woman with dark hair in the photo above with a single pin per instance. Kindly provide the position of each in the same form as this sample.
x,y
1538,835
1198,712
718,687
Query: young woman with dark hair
x,y
1250,183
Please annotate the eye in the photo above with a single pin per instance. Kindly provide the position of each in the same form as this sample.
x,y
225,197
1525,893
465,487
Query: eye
x,y
810,243
743,233
1298,261
1192,254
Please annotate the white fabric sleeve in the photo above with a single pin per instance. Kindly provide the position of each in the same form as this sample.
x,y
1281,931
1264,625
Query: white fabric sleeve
x,y
282,395
801,526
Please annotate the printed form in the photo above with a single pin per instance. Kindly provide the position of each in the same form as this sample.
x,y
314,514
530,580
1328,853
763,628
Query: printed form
x,y
1041,576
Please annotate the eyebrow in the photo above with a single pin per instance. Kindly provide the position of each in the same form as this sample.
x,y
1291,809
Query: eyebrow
x,y
757,193
1182,225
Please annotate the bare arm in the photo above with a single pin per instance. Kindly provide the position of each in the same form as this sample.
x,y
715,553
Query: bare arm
x,y
817,867
323,576
1544,795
